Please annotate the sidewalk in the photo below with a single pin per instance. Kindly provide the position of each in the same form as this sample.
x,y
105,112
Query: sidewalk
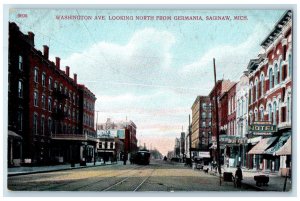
x,y
276,182
40,169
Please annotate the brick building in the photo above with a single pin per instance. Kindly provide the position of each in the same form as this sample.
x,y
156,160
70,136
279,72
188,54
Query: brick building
x,y
270,96
121,135
44,108
220,90
201,124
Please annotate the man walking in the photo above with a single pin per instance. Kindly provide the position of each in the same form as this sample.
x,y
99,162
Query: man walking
x,y
238,177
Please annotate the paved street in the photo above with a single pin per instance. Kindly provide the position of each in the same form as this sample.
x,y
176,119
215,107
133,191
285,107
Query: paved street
x,y
158,176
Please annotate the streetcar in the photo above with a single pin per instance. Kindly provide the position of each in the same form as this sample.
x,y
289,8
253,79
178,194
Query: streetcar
x,y
142,157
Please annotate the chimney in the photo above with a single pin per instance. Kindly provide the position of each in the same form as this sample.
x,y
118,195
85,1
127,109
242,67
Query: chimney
x,y
68,71
46,51
75,78
31,37
57,63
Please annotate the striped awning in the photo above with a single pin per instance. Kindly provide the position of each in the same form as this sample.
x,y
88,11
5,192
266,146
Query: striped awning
x,y
286,149
262,145
281,141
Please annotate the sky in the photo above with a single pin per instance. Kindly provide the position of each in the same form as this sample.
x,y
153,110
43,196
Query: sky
x,y
149,71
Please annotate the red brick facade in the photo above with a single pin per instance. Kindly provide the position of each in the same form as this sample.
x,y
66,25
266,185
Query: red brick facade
x,y
50,100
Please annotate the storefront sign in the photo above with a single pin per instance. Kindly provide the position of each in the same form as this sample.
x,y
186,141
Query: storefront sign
x,y
262,127
204,154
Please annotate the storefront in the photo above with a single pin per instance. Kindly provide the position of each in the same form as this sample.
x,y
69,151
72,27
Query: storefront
x,y
262,161
285,153
14,149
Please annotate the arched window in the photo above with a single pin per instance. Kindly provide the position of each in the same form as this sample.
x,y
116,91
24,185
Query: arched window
x,y
280,71
290,65
275,75
203,115
20,89
270,112
256,89
261,114
270,78
274,113
262,82
255,115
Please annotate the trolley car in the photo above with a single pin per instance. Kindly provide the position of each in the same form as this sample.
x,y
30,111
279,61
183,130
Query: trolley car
x,y
142,157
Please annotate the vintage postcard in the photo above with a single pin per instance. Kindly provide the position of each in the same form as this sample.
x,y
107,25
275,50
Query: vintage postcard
x,y
169,100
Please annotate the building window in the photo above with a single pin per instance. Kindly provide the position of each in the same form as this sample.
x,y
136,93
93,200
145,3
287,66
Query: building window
x,y
50,83
203,115
255,115
288,109
50,125
229,107
262,82
35,124
43,101
36,75
20,120
275,75
274,113
20,62
44,79
55,85
262,114
203,105
203,124
270,112
256,89
49,104
209,124
270,78
209,115
290,65
43,125
20,89
35,98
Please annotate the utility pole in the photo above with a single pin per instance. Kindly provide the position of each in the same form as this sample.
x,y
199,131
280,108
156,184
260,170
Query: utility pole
x,y
217,122
190,139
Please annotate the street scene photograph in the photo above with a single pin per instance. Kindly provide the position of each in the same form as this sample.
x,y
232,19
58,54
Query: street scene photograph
x,y
141,100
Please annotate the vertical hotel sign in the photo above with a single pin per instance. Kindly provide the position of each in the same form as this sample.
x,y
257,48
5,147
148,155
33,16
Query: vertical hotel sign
x,y
262,128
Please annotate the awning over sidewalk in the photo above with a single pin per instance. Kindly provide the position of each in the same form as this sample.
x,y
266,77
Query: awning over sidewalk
x,y
286,149
282,140
14,135
262,145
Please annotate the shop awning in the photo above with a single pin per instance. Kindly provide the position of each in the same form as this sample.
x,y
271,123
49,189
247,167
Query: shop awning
x,y
262,145
14,135
281,141
286,149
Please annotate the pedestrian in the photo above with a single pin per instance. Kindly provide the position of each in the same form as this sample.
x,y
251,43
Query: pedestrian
x,y
124,159
238,177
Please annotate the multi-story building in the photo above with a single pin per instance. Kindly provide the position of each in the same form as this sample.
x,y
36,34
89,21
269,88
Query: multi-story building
x,y
220,91
122,135
44,109
242,88
177,148
201,124
270,96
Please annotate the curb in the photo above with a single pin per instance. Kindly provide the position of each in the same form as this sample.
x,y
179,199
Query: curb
x,y
55,170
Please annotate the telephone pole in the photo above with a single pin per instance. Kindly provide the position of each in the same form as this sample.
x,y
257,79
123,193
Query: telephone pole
x,y
217,122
